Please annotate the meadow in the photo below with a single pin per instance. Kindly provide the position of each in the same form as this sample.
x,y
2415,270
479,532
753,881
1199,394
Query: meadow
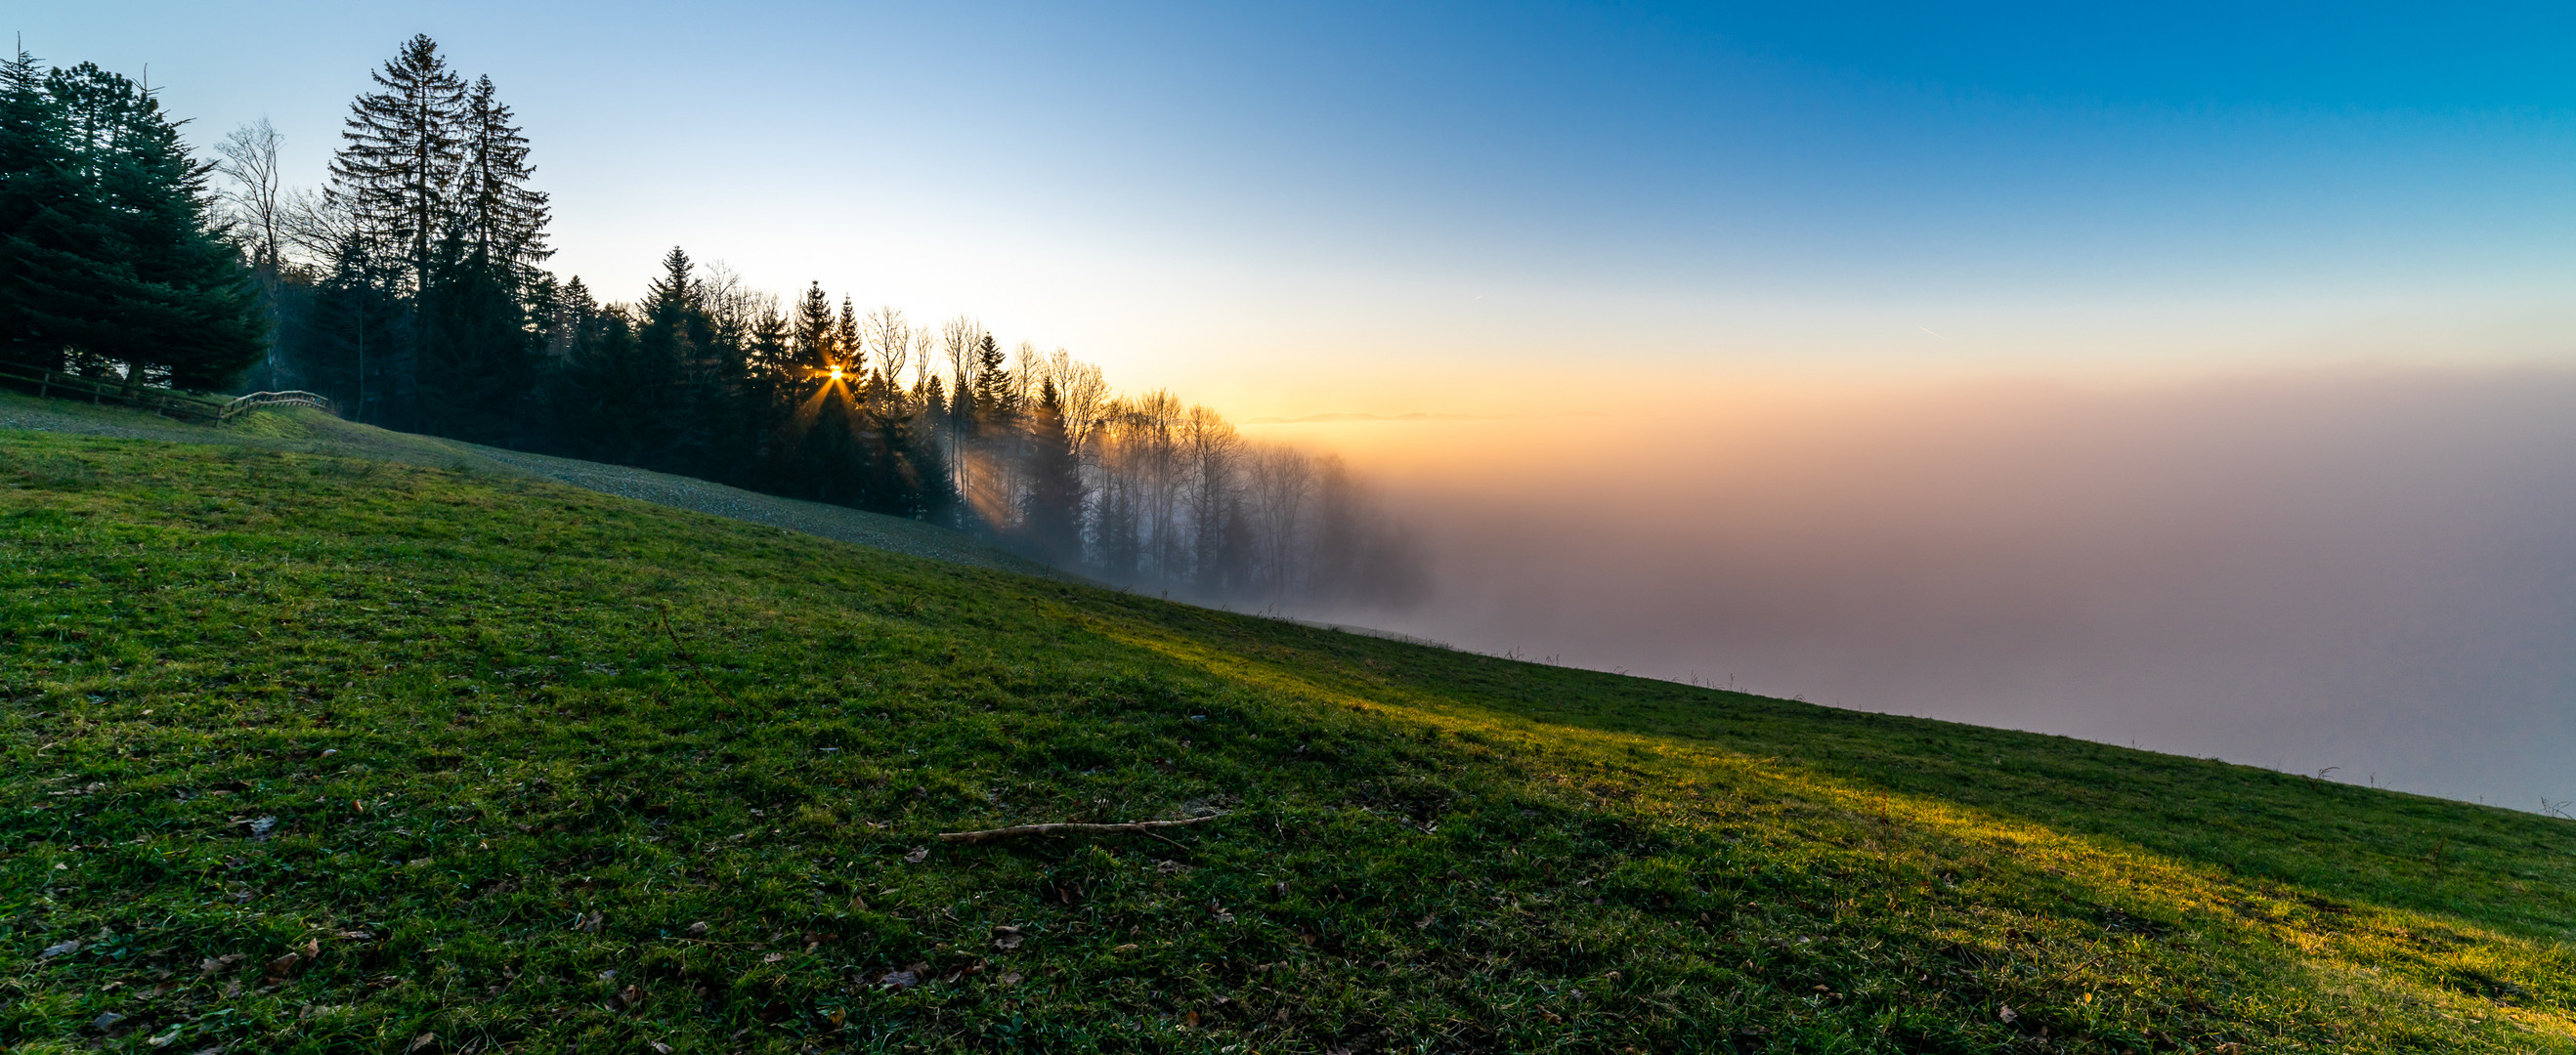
x,y
315,752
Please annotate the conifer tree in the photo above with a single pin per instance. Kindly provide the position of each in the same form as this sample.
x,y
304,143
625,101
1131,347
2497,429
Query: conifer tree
x,y
933,497
48,299
814,325
574,307
545,300
992,379
401,153
477,355
1054,513
504,219
352,342
615,402
768,355
676,339
113,252
848,351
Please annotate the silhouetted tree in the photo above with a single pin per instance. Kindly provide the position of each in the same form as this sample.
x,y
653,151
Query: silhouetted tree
x,y
503,219
1054,504
400,155
114,258
351,341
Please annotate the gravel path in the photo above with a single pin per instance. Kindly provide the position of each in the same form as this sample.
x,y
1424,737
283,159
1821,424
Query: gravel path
x,y
313,432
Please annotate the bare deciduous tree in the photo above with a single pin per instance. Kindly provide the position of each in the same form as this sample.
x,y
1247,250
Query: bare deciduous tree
x,y
886,331
1208,447
316,227
958,340
1280,482
1084,391
257,195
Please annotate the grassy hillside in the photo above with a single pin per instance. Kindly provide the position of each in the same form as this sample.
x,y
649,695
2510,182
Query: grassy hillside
x,y
313,432
308,753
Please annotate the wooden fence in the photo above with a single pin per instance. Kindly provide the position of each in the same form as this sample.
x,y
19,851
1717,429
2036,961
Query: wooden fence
x,y
299,398
62,385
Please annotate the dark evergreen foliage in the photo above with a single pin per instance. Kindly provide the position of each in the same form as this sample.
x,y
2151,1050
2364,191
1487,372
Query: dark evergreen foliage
x,y
402,151
477,365
1054,513
352,341
504,220
111,260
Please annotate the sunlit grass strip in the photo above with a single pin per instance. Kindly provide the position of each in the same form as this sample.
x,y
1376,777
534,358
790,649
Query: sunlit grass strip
x,y
2361,961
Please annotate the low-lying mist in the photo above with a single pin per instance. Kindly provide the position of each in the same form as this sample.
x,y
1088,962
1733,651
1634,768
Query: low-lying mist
x,y
2370,571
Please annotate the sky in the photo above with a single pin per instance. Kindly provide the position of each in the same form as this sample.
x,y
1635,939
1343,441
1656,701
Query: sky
x,y
2192,375
1426,208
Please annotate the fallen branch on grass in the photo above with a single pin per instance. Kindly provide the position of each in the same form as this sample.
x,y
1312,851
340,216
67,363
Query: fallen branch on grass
x,y
1138,827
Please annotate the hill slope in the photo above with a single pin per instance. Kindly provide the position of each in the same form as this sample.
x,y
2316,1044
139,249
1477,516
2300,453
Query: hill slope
x,y
313,432
322,754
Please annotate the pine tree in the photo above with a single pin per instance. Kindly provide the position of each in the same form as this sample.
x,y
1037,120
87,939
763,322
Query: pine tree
x,y
614,398
675,325
402,151
772,345
545,301
677,337
674,291
114,255
1054,513
768,391
352,342
848,352
477,354
50,299
814,326
504,220
934,499
992,379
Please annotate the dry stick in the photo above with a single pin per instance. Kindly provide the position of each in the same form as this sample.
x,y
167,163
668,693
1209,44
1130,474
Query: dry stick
x,y
1138,827
676,646
683,651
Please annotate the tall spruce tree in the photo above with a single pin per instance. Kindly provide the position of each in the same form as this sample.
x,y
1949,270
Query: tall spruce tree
x,y
814,325
849,352
612,397
504,220
402,150
993,389
1054,514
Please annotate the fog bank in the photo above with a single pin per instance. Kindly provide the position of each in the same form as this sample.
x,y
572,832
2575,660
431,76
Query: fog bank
x,y
2374,571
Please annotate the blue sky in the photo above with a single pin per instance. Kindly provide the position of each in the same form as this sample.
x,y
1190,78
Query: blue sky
x,y
1218,197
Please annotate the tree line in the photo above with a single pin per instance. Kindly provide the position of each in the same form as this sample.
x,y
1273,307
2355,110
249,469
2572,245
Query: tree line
x,y
412,288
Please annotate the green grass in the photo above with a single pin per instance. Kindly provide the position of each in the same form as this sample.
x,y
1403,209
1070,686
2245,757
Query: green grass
x,y
515,737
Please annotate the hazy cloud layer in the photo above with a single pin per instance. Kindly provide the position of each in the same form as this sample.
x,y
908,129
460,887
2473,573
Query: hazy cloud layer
x,y
2375,571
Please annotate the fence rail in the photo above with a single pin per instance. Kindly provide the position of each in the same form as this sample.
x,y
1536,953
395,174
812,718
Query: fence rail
x,y
44,381
299,398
